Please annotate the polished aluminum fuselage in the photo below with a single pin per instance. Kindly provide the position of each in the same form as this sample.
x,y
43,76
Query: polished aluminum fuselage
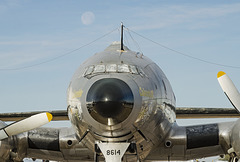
x,y
153,110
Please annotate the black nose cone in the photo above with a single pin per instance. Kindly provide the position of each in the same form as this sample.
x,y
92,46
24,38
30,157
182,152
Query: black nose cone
x,y
110,101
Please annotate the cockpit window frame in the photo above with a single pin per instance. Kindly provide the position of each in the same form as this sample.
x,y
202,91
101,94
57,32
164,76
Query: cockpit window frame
x,y
89,70
123,68
99,69
133,69
113,68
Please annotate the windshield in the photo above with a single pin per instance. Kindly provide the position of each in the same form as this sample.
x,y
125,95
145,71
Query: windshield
x,y
113,68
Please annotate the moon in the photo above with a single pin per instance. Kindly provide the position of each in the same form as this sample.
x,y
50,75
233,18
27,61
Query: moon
x,y
87,18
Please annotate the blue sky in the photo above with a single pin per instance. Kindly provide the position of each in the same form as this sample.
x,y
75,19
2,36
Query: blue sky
x,y
36,31
32,32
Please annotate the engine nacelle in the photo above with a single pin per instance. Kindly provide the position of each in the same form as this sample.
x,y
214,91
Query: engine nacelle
x,y
5,150
44,143
235,138
5,147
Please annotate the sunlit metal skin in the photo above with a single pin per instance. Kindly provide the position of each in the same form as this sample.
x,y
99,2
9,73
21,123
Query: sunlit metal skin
x,y
110,101
134,105
234,138
5,147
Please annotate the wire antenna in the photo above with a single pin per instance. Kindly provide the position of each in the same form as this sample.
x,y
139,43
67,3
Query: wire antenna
x,y
184,54
60,56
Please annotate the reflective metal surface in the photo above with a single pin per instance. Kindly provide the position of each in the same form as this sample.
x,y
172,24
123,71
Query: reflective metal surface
x,y
110,101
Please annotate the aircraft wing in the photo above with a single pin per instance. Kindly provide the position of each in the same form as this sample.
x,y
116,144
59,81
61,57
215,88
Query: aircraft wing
x,y
192,113
62,143
16,116
181,112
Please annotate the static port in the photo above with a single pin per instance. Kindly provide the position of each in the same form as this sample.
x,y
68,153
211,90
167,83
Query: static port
x,y
69,142
168,143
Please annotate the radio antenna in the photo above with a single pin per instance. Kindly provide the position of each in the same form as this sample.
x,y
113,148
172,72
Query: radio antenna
x,y
122,37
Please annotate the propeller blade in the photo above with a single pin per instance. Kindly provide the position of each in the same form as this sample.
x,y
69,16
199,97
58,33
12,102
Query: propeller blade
x,y
229,89
25,125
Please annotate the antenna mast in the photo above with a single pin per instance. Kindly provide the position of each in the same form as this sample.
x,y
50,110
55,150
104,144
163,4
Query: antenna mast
x,y
122,37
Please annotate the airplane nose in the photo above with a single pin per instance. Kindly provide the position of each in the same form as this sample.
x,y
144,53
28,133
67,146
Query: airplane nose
x,y
110,101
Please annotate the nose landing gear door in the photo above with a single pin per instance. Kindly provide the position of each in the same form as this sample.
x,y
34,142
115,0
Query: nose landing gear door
x,y
113,152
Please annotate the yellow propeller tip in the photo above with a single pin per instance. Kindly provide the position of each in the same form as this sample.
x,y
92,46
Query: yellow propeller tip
x,y
220,73
49,116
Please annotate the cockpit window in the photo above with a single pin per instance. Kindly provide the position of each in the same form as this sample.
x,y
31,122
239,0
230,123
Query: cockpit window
x,y
141,72
133,69
123,68
99,69
89,70
111,68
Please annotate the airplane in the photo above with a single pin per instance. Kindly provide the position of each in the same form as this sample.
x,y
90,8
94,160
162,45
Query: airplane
x,y
122,108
